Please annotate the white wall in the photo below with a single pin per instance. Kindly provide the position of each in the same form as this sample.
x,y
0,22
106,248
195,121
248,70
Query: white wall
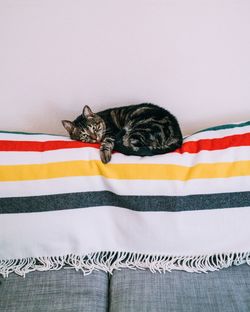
x,y
190,56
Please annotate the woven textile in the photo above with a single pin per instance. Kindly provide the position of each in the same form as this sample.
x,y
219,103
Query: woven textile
x,y
189,209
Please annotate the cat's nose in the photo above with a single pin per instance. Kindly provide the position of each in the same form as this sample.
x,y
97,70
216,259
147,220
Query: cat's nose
x,y
93,136
98,138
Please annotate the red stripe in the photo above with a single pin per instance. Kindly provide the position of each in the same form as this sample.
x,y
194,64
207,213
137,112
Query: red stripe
x,y
34,146
193,147
188,147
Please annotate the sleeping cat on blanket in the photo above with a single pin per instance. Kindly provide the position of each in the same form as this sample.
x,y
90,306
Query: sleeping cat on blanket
x,y
143,130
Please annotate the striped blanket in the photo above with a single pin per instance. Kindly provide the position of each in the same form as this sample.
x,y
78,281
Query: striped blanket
x,y
186,210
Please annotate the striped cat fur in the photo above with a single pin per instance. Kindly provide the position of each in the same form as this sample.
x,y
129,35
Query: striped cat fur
x,y
143,130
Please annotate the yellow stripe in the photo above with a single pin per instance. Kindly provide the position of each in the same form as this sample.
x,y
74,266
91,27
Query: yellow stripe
x,y
124,171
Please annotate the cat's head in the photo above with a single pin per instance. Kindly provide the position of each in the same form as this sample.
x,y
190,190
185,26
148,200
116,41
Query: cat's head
x,y
88,127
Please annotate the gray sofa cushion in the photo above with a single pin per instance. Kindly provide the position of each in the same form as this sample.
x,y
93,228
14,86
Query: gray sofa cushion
x,y
63,290
140,291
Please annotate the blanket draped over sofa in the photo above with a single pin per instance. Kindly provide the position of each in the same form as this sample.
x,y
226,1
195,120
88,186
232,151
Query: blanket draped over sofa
x,y
186,210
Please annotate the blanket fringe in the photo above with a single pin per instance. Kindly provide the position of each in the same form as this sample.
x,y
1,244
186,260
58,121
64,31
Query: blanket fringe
x,y
110,261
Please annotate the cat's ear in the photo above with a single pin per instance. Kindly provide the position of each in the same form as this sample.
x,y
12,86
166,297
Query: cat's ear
x,y
68,125
87,112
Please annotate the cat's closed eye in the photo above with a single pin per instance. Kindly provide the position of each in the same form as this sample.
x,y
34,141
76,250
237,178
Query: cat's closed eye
x,y
93,127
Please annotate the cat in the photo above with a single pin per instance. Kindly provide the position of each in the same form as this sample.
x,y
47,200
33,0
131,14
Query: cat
x,y
142,129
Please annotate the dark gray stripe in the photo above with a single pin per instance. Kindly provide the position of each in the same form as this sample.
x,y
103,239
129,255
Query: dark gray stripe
x,y
137,203
227,126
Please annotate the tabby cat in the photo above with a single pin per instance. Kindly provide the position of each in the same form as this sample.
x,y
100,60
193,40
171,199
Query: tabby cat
x,y
143,130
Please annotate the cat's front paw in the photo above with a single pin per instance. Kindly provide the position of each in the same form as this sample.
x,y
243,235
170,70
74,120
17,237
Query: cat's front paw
x,y
105,156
